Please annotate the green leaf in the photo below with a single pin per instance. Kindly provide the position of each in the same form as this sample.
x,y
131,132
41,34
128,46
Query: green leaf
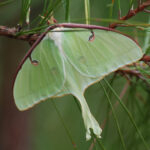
x,y
67,10
25,11
147,38
129,115
87,11
115,117
48,10
68,62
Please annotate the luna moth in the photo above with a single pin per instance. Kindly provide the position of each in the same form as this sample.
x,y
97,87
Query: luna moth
x,y
69,62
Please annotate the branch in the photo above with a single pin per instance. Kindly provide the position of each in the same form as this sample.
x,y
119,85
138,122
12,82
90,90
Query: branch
x,y
68,25
132,13
132,73
65,25
11,33
135,73
145,58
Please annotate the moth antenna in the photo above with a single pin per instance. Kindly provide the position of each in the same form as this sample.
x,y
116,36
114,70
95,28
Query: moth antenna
x,y
33,62
92,36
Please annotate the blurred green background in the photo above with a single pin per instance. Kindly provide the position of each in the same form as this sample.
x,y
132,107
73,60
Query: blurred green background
x,y
41,128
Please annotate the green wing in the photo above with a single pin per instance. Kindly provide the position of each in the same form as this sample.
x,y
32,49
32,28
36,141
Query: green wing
x,y
85,63
36,83
106,53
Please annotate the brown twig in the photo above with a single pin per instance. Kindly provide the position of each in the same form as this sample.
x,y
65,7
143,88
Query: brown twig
x,y
123,92
130,72
147,11
134,73
132,13
31,38
65,25
145,58
11,33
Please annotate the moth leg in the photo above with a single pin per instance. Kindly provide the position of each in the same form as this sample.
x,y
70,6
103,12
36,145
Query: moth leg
x,y
92,36
33,62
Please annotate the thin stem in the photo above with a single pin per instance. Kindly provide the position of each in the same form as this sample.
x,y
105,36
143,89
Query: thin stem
x,y
131,4
64,125
11,32
147,11
78,105
115,117
116,104
87,11
67,11
111,9
98,141
119,7
93,135
129,114
132,13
